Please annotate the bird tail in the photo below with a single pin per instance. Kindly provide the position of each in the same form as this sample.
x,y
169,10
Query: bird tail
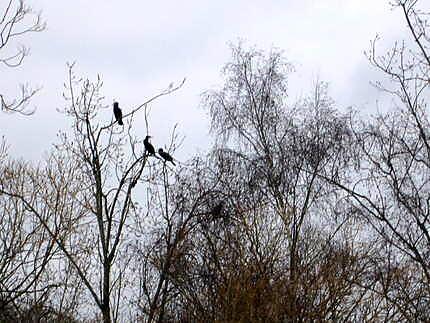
x,y
173,163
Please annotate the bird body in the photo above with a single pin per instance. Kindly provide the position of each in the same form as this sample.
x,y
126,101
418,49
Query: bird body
x,y
148,147
217,210
166,156
117,113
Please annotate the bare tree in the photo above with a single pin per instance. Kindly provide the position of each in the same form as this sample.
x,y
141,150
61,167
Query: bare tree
x,y
35,207
103,207
284,149
228,258
160,258
253,232
16,20
391,187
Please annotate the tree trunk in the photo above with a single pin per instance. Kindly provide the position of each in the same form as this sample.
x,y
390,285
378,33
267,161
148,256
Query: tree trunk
x,y
105,301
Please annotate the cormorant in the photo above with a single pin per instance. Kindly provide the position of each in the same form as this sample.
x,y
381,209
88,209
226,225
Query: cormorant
x,y
166,156
117,113
148,147
217,210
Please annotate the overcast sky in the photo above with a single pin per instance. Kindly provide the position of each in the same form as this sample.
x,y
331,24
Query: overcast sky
x,y
140,47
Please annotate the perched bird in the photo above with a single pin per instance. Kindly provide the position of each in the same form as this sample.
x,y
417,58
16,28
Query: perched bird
x,y
166,156
217,210
117,113
148,147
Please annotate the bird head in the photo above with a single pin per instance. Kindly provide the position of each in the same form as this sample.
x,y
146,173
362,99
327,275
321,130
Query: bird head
x,y
160,150
147,137
115,104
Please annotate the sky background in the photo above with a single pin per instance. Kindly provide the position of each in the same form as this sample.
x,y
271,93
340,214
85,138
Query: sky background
x,y
140,47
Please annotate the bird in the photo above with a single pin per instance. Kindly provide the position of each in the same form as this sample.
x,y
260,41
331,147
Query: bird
x,y
117,113
148,147
217,210
166,156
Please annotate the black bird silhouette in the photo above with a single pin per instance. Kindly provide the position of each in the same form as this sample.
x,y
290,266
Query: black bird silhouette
x,y
166,156
148,147
217,210
117,113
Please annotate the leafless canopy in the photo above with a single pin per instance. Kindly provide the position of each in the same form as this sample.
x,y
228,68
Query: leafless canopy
x,y
16,20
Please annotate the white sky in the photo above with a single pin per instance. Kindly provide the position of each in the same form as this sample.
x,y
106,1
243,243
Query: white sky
x,y
140,47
